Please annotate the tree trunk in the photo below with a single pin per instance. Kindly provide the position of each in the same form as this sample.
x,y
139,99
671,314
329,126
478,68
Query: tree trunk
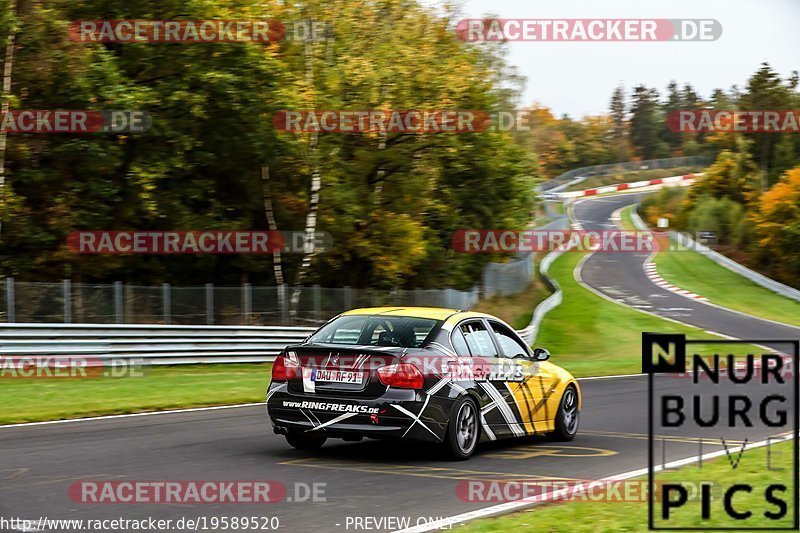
x,y
381,174
316,184
277,262
8,67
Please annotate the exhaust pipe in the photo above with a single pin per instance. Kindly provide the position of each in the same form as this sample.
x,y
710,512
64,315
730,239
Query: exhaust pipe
x,y
280,430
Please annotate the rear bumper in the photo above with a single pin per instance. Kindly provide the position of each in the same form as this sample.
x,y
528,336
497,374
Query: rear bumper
x,y
397,414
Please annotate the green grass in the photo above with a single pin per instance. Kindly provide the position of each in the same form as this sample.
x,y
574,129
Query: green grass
x,y
610,517
592,336
695,272
160,388
626,221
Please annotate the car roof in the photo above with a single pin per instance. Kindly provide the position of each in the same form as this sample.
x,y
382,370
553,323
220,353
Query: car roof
x,y
434,313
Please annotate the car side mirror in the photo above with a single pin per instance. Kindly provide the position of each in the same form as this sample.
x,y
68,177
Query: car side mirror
x,y
541,354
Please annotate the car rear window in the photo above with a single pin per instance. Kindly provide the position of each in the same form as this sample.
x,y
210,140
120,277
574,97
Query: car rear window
x,y
377,330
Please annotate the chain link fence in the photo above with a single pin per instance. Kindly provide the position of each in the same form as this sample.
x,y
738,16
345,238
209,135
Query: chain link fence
x,y
119,303
502,279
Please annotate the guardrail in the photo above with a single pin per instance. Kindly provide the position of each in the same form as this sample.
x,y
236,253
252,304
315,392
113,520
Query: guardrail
x,y
671,181
628,166
151,344
530,333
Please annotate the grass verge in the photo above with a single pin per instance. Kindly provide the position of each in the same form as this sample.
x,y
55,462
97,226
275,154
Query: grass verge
x,y
599,516
160,388
695,272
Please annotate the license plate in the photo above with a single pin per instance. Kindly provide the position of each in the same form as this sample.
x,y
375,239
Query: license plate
x,y
338,376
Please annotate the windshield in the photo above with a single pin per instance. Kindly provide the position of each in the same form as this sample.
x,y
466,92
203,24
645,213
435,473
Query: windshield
x,y
403,332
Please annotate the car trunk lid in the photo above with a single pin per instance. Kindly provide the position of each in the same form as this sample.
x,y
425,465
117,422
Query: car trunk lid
x,y
336,370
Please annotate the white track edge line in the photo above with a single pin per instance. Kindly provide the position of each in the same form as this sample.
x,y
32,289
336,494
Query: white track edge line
x,y
447,522
131,415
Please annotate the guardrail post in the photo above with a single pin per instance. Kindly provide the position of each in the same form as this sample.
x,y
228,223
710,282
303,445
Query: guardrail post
x,y
282,303
10,316
67,289
166,303
209,303
247,301
317,302
118,302
348,298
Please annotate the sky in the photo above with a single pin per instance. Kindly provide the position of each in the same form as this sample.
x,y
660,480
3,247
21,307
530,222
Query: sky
x,y
578,78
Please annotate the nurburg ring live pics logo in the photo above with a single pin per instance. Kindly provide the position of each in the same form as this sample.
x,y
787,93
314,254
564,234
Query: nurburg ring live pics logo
x,y
741,404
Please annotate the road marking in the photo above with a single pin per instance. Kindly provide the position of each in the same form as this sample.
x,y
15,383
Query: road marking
x,y
576,274
503,508
651,272
721,335
16,472
419,471
618,376
531,452
131,415
669,438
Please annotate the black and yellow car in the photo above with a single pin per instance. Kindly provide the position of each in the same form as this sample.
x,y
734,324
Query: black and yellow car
x,y
430,374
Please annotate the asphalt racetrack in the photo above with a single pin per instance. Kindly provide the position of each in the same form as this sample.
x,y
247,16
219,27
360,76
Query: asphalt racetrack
x,y
365,482
620,276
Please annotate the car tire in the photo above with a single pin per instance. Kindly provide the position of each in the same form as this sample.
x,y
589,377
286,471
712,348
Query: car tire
x,y
463,430
300,441
568,417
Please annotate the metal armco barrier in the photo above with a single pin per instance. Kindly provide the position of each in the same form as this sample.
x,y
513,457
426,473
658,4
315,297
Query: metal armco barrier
x,y
150,344
628,166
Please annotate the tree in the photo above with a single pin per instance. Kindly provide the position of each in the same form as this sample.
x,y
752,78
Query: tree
x,y
733,175
675,103
766,91
618,112
647,124
5,92
777,223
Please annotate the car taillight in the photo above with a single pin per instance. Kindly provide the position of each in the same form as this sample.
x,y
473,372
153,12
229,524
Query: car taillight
x,y
285,367
401,376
